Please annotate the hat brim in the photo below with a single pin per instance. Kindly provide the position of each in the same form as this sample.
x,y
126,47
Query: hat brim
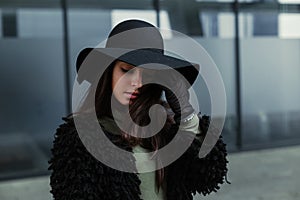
x,y
139,57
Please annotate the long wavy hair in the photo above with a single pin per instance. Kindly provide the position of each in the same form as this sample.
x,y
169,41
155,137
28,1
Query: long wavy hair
x,y
150,95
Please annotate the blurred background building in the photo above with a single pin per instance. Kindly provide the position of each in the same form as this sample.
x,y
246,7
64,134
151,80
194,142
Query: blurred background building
x,y
254,43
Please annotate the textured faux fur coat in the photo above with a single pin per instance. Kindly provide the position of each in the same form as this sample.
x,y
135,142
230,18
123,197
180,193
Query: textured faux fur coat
x,y
77,175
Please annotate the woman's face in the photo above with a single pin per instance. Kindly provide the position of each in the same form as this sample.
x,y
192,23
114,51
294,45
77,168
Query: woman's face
x,y
126,79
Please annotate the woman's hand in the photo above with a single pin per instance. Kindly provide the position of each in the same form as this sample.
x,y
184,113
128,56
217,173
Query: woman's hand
x,y
181,106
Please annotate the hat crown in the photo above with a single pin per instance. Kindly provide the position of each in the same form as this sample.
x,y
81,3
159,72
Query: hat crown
x,y
135,34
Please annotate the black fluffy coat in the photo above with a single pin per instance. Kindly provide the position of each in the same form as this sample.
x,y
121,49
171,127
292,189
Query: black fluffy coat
x,y
77,175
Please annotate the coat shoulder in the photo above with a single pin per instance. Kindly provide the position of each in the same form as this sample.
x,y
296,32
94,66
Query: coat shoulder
x,y
76,174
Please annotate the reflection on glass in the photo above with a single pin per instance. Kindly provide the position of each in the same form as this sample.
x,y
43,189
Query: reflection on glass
x,y
270,90
285,25
222,53
36,23
218,24
289,1
289,25
33,93
146,15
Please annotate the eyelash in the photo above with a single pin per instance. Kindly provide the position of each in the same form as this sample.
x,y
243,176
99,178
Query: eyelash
x,y
127,70
124,70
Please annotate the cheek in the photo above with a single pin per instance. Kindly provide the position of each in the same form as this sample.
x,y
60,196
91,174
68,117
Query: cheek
x,y
119,87
120,81
116,80
119,84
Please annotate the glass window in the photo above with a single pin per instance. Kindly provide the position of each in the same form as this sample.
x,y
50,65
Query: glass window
x,y
223,54
270,75
89,23
270,90
36,23
87,28
218,24
33,93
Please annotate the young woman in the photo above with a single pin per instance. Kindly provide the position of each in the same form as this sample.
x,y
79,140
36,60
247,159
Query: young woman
x,y
125,88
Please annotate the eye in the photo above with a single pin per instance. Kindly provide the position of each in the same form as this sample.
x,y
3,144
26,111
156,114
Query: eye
x,y
124,70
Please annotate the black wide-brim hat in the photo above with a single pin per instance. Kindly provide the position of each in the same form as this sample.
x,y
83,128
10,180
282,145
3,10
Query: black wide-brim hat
x,y
137,43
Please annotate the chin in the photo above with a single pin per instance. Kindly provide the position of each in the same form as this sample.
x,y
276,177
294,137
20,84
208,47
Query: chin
x,y
125,102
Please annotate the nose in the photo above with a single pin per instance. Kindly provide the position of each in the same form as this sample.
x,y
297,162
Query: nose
x,y
137,78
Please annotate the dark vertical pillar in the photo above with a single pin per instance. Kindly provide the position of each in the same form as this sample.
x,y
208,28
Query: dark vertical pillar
x,y
184,16
156,7
238,77
66,56
9,24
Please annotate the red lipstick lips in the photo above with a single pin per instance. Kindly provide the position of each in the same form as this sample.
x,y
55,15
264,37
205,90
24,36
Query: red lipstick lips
x,y
134,95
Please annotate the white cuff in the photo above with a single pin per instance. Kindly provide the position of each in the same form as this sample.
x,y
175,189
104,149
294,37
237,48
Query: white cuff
x,y
192,124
